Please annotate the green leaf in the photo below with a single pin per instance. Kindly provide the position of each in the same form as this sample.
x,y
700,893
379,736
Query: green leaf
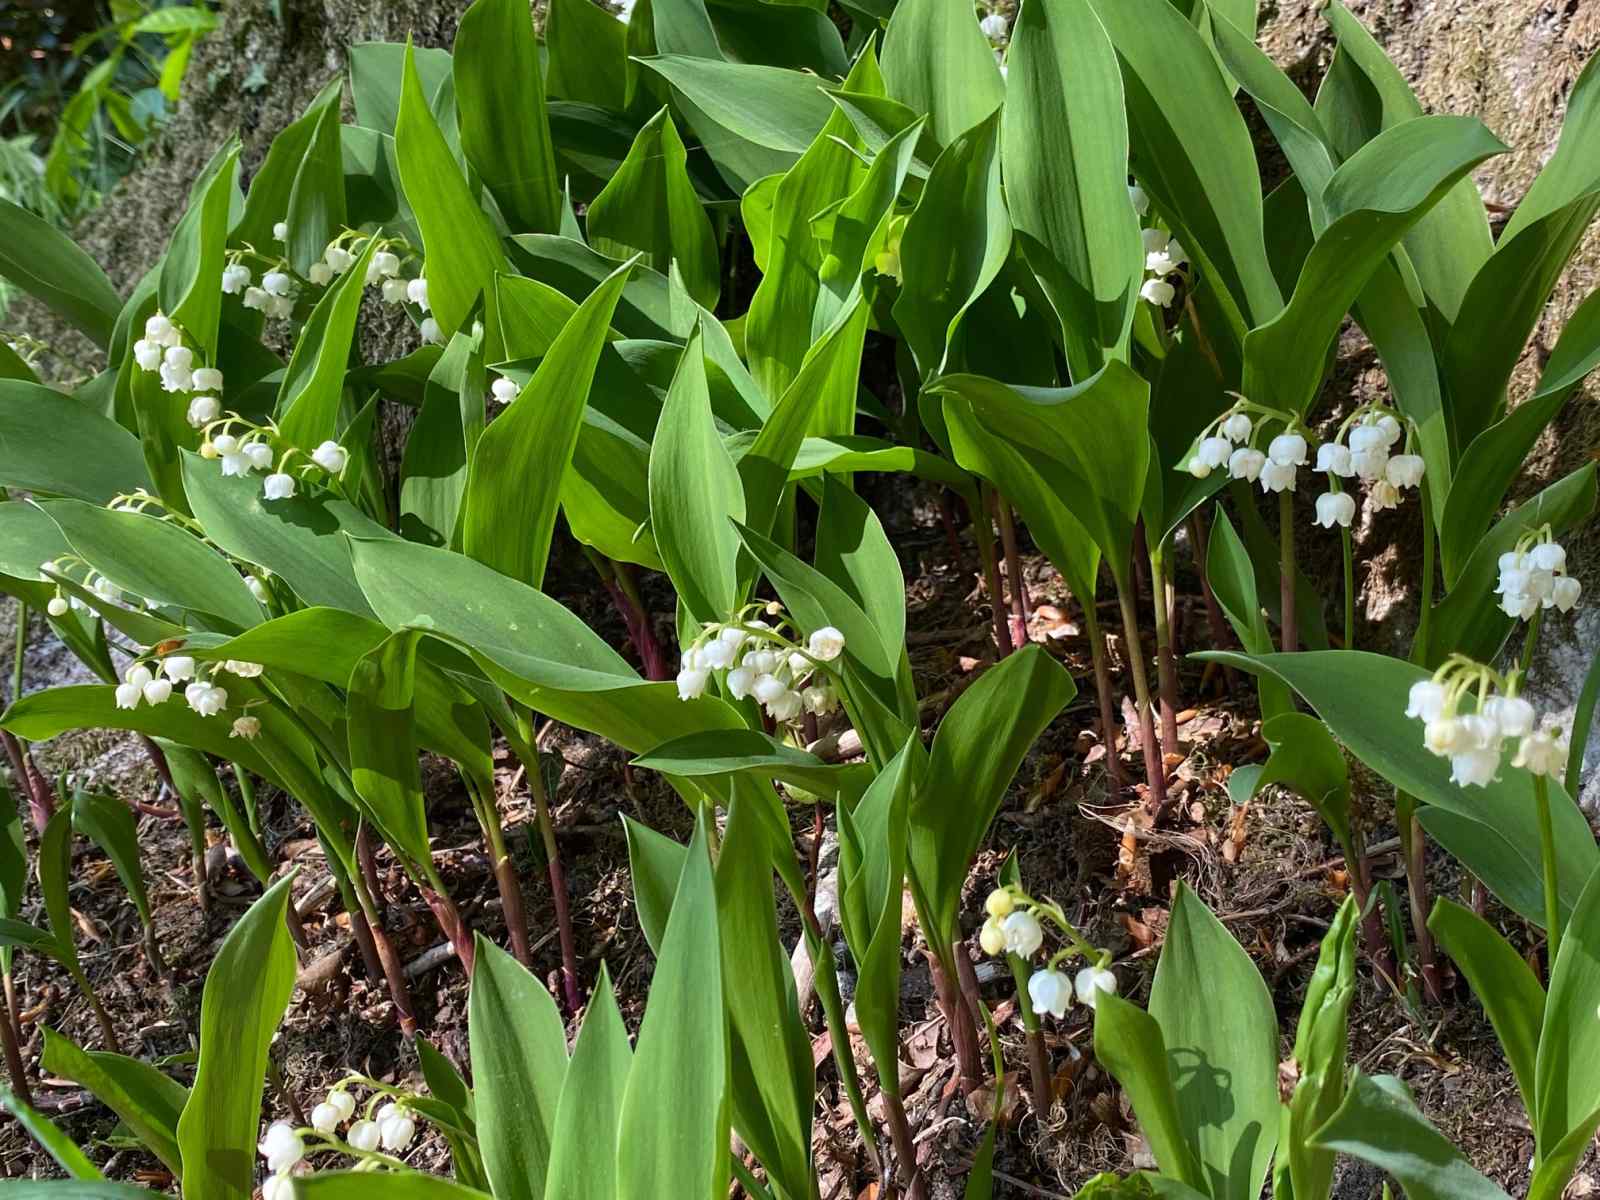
x,y
156,559
591,1102
505,133
247,989
295,539
1380,1124
433,469
383,751
979,747
1221,1036
588,54
51,1140
196,780
655,862
377,73
694,490
1566,1088
49,443
147,1101
954,244
1321,1047
190,290
313,383
1129,1044
463,252
1505,985
267,202
1192,149
316,211
937,61
75,1189
48,265
514,482
1233,580
717,752
649,207
1362,697
1370,201
1095,464
397,1185
1450,244
1066,165
519,1062
110,824
673,1133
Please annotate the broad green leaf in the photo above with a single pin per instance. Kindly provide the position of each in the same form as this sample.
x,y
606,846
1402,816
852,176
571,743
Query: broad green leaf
x,y
655,862
588,54
854,551
750,751
1362,697
49,443
1089,442
109,823
316,211
505,133
156,559
937,61
1505,985
954,243
1370,202
1321,1047
1566,1089
1066,168
147,1101
196,780
645,309
247,989
397,1185
19,935
190,290
267,201
771,1076
1221,1037
979,747
672,1137
45,263
377,73
514,483
1128,1043
649,207
1449,245
383,751
1233,580
1380,1124
463,252
519,1063
51,1140
694,491
295,539
433,469
313,382
528,644
585,1126
1192,149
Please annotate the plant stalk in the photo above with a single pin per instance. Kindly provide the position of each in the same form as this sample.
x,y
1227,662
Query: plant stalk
x,y
1349,590
1414,846
1014,581
1166,658
12,1043
963,1034
1115,779
1552,887
645,641
571,985
393,969
1286,591
1154,767
1216,621
983,535
1038,1052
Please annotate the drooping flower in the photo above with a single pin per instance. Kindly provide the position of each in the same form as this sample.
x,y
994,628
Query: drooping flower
x,y
277,1187
235,278
177,667
278,486
1288,450
147,354
994,27
1158,292
741,681
431,333
1564,592
1512,715
1404,470
1335,508
58,606
1246,463
394,291
1426,700
1237,428
158,691
207,699
257,453
785,707
385,264
280,230
992,938
325,1117
277,283
1050,991
243,669
202,411
826,643
1091,981
364,1136
998,904
1333,458
320,274
395,1128
1545,751
246,727
818,699
504,390
692,683
1277,477
282,1147
343,1103
331,457
1474,768
417,292
128,695
339,259
1214,451
1140,201
1024,935
1384,494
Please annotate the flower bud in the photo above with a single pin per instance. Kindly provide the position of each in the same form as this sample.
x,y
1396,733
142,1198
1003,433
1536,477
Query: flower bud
x,y
992,938
280,230
998,904
57,607
431,333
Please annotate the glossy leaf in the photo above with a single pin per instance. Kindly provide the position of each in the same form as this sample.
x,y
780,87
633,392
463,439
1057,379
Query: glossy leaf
x,y
189,291
584,1131
48,265
313,382
1128,1042
247,989
1233,580
109,823
519,1063
49,443
383,751
937,61
750,751
144,1099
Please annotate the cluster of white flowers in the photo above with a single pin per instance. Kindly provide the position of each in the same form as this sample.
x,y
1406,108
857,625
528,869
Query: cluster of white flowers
x,y
390,1129
411,291
1533,576
1474,741
1163,256
1226,443
205,696
276,295
1362,450
788,679
161,349
1012,926
250,449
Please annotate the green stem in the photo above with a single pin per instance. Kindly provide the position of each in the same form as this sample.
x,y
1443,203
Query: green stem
x,y
1425,618
1155,769
1166,663
1413,846
1038,1052
19,651
1552,892
983,535
1349,590
1528,644
1286,596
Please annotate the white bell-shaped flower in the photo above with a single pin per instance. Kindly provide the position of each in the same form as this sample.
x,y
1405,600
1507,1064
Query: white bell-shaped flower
x,y
58,606
383,265
277,283
692,682
128,695
158,328
1335,508
282,1147
1474,768
1139,199
1246,463
1091,982
417,292
1214,451
740,681
1333,458
1288,450
364,1136
1426,700
826,644
432,335
1158,292
243,669
994,27
818,699
394,291
256,298
331,457
1390,428
1512,715
785,707
257,453
395,1127
1384,494
1444,735
1237,428
235,278
147,354
246,727
343,1103
320,274
158,691
1277,476
768,688
992,938
504,390
280,230
277,1187
1564,592
1050,991
177,667
325,1117
1548,556
202,411
1024,934
339,259
207,699
278,486
1404,470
